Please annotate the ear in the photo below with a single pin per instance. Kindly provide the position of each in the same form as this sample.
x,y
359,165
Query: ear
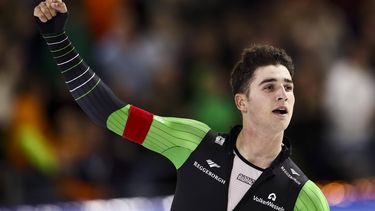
x,y
240,100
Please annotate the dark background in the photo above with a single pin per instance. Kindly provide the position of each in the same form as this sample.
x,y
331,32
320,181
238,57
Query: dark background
x,y
174,58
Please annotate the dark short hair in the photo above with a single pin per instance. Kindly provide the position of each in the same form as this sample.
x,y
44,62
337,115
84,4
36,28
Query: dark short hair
x,y
254,57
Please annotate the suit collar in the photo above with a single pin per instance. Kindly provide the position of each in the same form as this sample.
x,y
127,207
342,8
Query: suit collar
x,y
283,155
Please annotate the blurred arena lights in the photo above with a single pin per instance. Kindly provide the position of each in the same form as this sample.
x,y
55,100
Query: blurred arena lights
x,y
123,204
358,195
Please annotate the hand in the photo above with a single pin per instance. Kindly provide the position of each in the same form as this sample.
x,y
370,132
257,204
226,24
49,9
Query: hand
x,y
48,9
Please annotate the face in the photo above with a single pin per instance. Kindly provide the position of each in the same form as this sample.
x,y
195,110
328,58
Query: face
x,y
270,100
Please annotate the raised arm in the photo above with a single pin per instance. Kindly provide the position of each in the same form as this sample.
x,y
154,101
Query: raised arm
x,y
175,138
88,90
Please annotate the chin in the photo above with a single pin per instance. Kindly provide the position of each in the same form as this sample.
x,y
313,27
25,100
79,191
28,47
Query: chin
x,y
279,127
285,125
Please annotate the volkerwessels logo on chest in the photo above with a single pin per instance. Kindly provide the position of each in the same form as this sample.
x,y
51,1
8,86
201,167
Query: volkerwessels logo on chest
x,y
270,201
208,168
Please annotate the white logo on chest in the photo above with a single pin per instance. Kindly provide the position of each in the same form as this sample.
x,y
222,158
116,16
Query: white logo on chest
x,y
220,140
272,196
212,164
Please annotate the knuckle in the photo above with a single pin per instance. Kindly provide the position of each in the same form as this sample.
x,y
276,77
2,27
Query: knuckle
x,y
38,11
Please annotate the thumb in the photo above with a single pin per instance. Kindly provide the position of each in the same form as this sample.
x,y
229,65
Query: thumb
x,y
59,6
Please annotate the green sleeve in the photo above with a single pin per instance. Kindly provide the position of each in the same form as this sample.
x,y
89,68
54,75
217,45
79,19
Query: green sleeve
x,y
311,198
175,138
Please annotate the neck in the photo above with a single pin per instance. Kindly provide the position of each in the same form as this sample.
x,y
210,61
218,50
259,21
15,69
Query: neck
x,y
260,149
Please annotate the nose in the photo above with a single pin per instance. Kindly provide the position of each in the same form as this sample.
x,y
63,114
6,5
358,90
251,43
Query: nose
x,y
281,95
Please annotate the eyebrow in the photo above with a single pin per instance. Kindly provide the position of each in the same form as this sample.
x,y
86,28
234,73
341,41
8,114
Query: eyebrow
x,y
268,80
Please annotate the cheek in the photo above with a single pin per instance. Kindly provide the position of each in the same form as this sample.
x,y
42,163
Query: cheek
x,y
259,106
292,99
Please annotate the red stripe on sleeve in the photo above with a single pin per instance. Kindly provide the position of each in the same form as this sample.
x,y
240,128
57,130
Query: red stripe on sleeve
x,y
138,124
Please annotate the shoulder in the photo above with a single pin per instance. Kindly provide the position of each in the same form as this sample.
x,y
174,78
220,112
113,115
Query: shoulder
x,y
293,173
222,140
311,198
216,139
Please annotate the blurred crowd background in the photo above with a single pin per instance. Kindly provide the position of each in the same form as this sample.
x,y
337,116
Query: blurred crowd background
x,y
174,58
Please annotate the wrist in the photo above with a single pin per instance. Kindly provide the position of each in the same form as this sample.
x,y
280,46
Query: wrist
x,y
54,26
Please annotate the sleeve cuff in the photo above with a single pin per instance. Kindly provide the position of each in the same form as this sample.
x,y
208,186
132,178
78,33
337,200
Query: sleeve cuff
x,y
53,26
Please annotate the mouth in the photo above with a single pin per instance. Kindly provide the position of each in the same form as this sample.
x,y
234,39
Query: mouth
x,y
281,111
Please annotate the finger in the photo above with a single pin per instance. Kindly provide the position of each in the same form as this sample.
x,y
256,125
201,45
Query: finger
x,y
45,10
51,10
38,13
59,6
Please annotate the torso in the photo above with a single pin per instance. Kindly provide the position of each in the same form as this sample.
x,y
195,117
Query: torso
x,y
243,176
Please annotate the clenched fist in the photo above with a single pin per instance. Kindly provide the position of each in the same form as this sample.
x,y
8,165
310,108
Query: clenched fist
x,y
51,16
48,9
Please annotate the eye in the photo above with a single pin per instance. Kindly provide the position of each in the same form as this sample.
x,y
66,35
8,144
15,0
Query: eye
x,y
269,87
288,88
